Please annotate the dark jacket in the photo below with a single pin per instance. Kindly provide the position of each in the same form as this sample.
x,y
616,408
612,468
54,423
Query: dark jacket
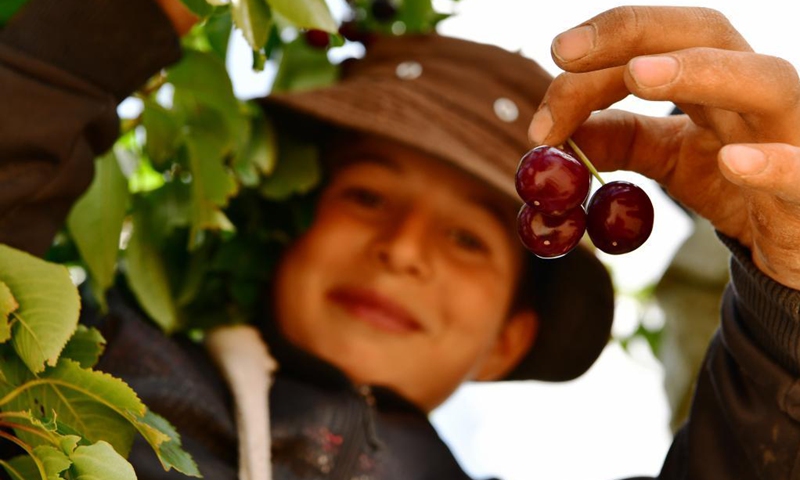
x,y
64,66
322,425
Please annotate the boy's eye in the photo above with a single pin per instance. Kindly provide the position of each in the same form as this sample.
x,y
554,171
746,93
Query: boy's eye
x,y
467,240
364,197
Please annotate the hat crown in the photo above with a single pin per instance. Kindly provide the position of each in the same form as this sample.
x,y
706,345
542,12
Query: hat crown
x,y
493,92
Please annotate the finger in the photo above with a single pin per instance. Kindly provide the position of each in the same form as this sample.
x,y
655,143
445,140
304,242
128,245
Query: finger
x,y
620,140
656,147
714,78
617,35
772,168
569,101
769,174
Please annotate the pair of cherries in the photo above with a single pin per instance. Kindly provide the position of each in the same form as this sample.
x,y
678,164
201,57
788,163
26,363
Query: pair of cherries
x,y
558,210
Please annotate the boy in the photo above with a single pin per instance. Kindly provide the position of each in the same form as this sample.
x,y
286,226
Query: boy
x,y
410,273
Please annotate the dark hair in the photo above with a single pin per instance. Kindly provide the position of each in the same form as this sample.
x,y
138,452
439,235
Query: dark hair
x,y
531,286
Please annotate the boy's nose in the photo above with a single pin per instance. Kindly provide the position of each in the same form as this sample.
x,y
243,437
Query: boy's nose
x,y
402,246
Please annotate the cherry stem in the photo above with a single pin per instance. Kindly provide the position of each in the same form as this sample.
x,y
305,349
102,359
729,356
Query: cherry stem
x,y
582,156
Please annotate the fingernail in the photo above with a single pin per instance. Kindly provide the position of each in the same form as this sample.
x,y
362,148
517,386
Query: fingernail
x,y
744,160
574,44
654,71
541,125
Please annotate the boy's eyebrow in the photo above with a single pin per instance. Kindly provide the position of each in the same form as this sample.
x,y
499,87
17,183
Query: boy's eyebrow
x,y
500,214
369,157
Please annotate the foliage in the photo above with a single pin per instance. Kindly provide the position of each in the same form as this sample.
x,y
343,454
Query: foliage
x,y
215,187
188,214
67,420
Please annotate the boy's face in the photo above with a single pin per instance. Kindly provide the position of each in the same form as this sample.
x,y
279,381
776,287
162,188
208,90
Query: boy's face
x,y
406,275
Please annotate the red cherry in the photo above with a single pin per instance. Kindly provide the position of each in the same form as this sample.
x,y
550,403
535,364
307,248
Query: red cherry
x,y
619,217
552,181
547,236
318,39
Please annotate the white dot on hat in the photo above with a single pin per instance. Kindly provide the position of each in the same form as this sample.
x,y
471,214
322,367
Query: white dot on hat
x,y
409,70
506,110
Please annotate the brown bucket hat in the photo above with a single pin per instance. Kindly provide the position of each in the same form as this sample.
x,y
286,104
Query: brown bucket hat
x,y
470,104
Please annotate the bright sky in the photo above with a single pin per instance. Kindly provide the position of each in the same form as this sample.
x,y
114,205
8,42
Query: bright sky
x,y
612,422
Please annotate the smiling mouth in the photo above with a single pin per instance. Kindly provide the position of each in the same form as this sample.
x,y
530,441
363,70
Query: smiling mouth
x,y
374,309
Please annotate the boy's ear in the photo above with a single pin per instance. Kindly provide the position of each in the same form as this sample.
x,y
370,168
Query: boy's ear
x,y
514,341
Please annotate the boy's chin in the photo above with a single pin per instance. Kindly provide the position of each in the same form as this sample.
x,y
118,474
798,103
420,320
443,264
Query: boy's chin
x,y
415,387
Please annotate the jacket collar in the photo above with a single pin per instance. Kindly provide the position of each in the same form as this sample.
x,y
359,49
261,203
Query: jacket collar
x,y
304,366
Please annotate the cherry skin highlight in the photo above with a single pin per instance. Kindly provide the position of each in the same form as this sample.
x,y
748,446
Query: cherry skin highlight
x,y
619,217
548,236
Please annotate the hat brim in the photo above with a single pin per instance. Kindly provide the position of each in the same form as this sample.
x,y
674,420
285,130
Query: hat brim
x,y
397,111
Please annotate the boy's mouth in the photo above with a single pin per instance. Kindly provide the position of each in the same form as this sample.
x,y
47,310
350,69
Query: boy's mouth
x,y
375,309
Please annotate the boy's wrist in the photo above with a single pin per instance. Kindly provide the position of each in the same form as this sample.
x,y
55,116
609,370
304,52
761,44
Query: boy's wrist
x,y
770,311
114,45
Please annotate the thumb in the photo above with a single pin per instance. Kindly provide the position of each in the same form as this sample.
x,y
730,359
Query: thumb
x,y
772,168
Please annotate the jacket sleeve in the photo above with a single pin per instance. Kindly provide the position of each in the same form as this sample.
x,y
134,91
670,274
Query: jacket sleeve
x,y
745,416
64,67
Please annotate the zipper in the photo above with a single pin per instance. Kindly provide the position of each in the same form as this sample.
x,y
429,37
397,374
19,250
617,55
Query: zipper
x,y
361,426
369,419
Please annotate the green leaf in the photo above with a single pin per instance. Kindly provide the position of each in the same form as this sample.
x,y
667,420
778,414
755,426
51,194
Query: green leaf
x,y
417,15
207,148
145,178
303,68
297,171
163,132
203,75
147,275
47,427
43,461
218,30
194,278
203,90
170,451
200,7
92,403
212,183
44,322
53,459
95,222
305,13
85,346
254,19
259,155
95,406
8,304
22,467
98,462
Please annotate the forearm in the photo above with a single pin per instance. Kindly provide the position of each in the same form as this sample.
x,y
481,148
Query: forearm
x,y
64,66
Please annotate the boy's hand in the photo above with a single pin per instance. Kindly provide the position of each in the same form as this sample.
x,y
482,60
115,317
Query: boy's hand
x,y
734,157
181,17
